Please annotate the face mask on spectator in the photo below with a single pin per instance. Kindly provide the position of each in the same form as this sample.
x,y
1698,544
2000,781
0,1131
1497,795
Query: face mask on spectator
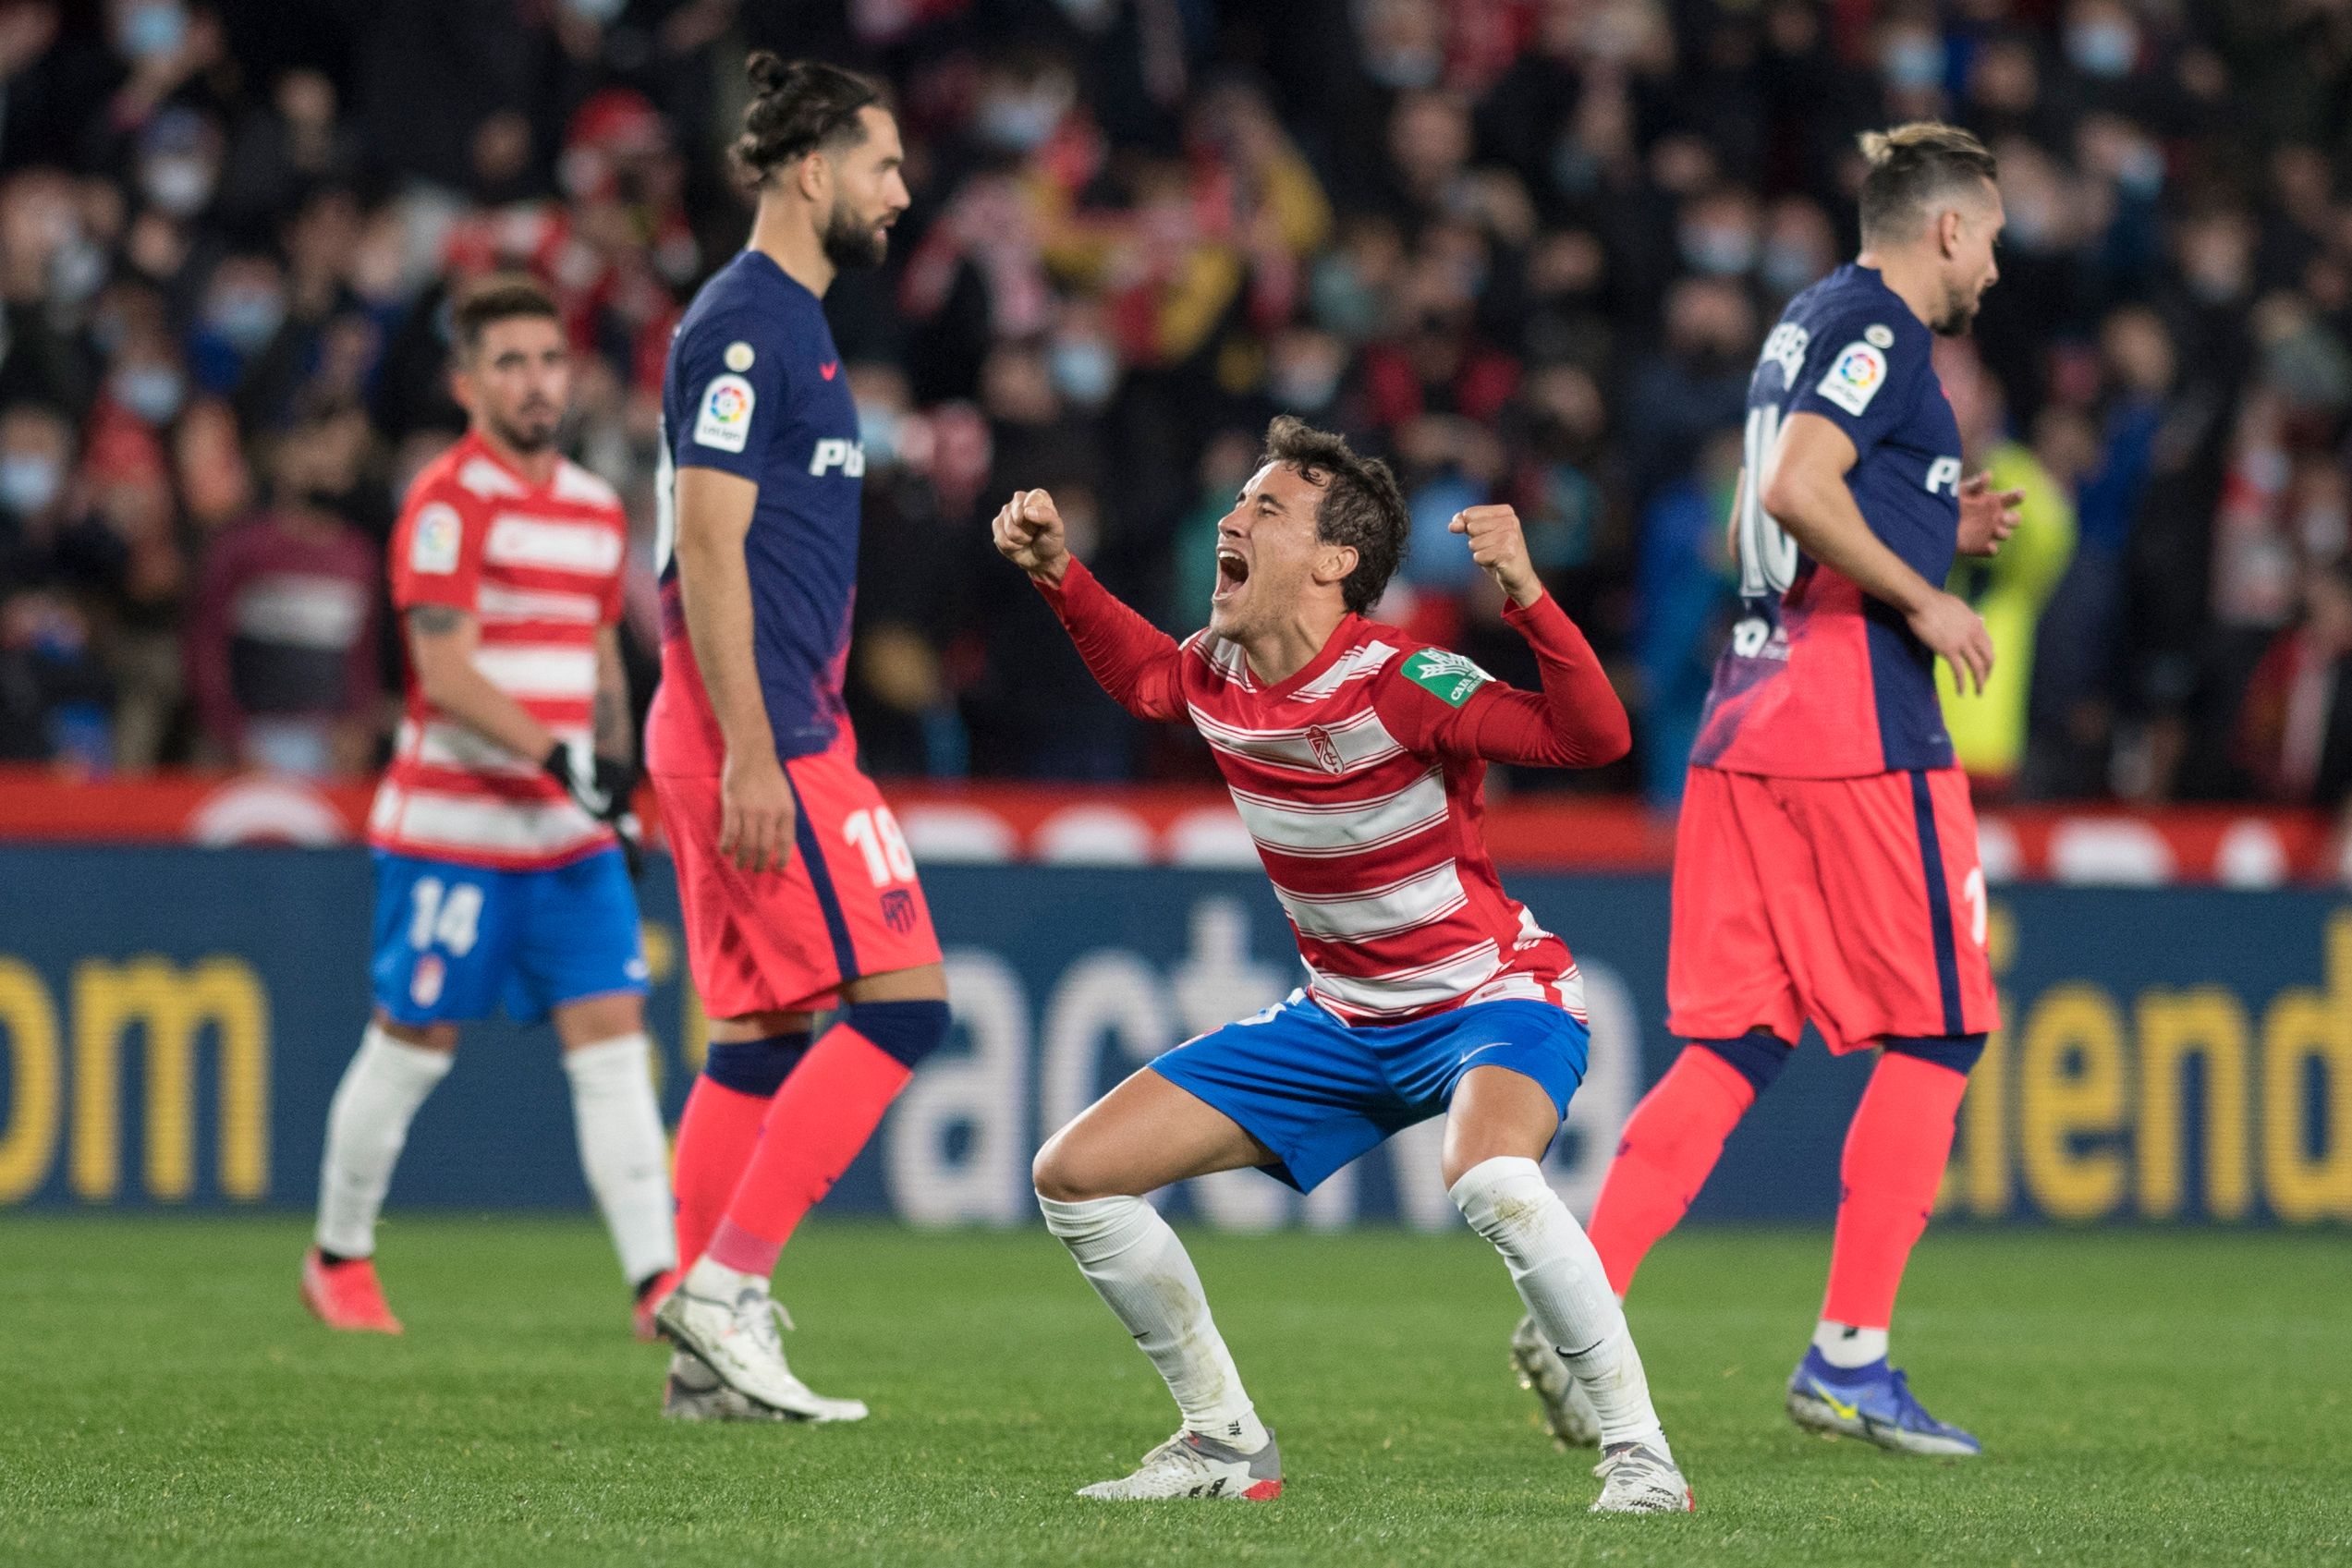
x,y
150,30
604,13
2103,48
1913,63
1305,388
1720,251
878,430
1342,302
1788,268
176,182
153,391
1019,122
248,318
29,481
77,268
1085,371
1404,66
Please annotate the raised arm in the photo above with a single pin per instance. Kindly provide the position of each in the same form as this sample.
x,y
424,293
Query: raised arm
x,y
1137,663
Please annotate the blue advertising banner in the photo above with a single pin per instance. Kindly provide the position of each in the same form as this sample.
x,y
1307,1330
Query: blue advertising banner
x,y
173,1023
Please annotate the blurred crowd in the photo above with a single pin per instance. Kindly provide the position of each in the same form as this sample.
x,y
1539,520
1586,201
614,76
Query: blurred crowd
x,y
1525,249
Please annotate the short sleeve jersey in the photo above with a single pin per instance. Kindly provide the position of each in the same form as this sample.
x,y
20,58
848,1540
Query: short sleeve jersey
x,y
754,387
1821,680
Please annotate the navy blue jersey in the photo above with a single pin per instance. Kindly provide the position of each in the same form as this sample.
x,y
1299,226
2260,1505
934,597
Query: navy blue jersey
x,y
1821,680
755,388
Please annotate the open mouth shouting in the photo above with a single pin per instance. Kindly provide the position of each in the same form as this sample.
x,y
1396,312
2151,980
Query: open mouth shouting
x,y
1233,570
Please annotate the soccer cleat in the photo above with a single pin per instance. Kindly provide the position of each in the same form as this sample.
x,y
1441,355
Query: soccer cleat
x,y
693,1393
1637,1478
650,1303
345,1295
1872,1403
740,1342
1190,1465
1567,1409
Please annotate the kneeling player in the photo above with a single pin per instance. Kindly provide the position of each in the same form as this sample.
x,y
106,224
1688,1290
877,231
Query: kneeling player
x,y
1357,757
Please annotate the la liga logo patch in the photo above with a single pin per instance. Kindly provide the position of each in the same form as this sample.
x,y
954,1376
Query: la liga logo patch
x,y
1854,376
725,421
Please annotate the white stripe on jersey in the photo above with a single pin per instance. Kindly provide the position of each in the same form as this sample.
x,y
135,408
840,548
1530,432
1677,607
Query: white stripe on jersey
x,y
438,743
576,483
423,821
1224,657
1408,990
1353,665
495,602
1567,993
534,670
486,479
1360,740
1345,827
557,544
1359,916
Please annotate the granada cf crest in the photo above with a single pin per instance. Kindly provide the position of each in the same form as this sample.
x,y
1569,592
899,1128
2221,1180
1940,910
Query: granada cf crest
x,y
898,910
1326,750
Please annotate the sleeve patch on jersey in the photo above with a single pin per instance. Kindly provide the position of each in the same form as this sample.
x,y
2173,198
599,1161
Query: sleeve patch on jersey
x,y
726,420
1854,377
1449,678
433,547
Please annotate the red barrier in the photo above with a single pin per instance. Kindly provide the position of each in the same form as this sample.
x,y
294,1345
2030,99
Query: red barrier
x,y
1156,825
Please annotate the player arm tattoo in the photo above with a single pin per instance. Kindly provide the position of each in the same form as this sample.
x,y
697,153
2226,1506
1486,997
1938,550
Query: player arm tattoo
x,y
441,638
436,620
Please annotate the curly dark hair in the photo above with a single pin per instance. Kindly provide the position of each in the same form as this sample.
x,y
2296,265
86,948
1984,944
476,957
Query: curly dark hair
x,y
798,107
1361,507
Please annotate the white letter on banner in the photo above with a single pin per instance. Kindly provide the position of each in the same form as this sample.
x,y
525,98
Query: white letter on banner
x,y
1214,984
983,1090
1110,992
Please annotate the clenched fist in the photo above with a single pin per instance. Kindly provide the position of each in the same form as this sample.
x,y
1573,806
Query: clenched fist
x,y
1497,544
1029,533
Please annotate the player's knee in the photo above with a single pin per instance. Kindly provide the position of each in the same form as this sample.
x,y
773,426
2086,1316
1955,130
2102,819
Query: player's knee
x,y
423,1036
1059,1174
755,1066
906,1031
1758,1056
1959,1052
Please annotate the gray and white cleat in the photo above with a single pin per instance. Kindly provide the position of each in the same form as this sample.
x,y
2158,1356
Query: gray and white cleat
x,y
1567,1409
1639,1480
694,1392
740,1342
1190,1465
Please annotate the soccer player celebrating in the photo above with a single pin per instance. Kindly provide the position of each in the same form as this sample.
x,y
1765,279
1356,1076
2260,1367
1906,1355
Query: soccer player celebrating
x,y
798,892
499,879
1357,757
1825,866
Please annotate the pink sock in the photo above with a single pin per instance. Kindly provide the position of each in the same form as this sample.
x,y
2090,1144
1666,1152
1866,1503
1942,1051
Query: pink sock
x,y
815,1126
715,1137
1895,1149
1671,1142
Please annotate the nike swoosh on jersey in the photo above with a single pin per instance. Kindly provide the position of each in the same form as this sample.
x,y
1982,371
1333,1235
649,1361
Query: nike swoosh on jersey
x,y
828,368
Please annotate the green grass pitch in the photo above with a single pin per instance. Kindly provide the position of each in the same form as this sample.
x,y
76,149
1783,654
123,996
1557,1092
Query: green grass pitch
x,y
2145,1397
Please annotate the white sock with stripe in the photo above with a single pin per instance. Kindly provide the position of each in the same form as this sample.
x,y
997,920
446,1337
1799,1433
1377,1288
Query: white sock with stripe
x,y
367,1122
1559,1276
624,1151
1143,1274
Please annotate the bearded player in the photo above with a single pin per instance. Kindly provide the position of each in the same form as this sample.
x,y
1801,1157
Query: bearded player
x,y
1357,757
1825,866
798,892
499,880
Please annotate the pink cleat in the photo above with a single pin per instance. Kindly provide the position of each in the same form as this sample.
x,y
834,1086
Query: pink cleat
x,y
345,1295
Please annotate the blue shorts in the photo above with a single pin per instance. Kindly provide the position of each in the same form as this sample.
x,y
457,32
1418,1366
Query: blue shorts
x,y
1319,1093
454,942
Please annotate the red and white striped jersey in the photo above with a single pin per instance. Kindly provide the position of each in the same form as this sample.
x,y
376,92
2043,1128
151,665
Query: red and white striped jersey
x,y
539,569
1361,780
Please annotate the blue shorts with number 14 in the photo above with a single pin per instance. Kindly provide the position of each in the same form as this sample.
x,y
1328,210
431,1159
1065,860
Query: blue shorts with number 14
x,y
456,943
1320,1093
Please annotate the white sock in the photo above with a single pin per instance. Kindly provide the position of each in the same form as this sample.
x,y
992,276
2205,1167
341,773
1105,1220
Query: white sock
x,y
714,1281
1559,1276
1842,1344
624,1151
1143,1274
366,1123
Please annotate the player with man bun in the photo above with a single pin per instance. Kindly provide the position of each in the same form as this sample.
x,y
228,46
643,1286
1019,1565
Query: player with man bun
x,y
798,892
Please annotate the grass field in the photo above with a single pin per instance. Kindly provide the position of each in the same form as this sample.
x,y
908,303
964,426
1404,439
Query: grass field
x,y
2145,1398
